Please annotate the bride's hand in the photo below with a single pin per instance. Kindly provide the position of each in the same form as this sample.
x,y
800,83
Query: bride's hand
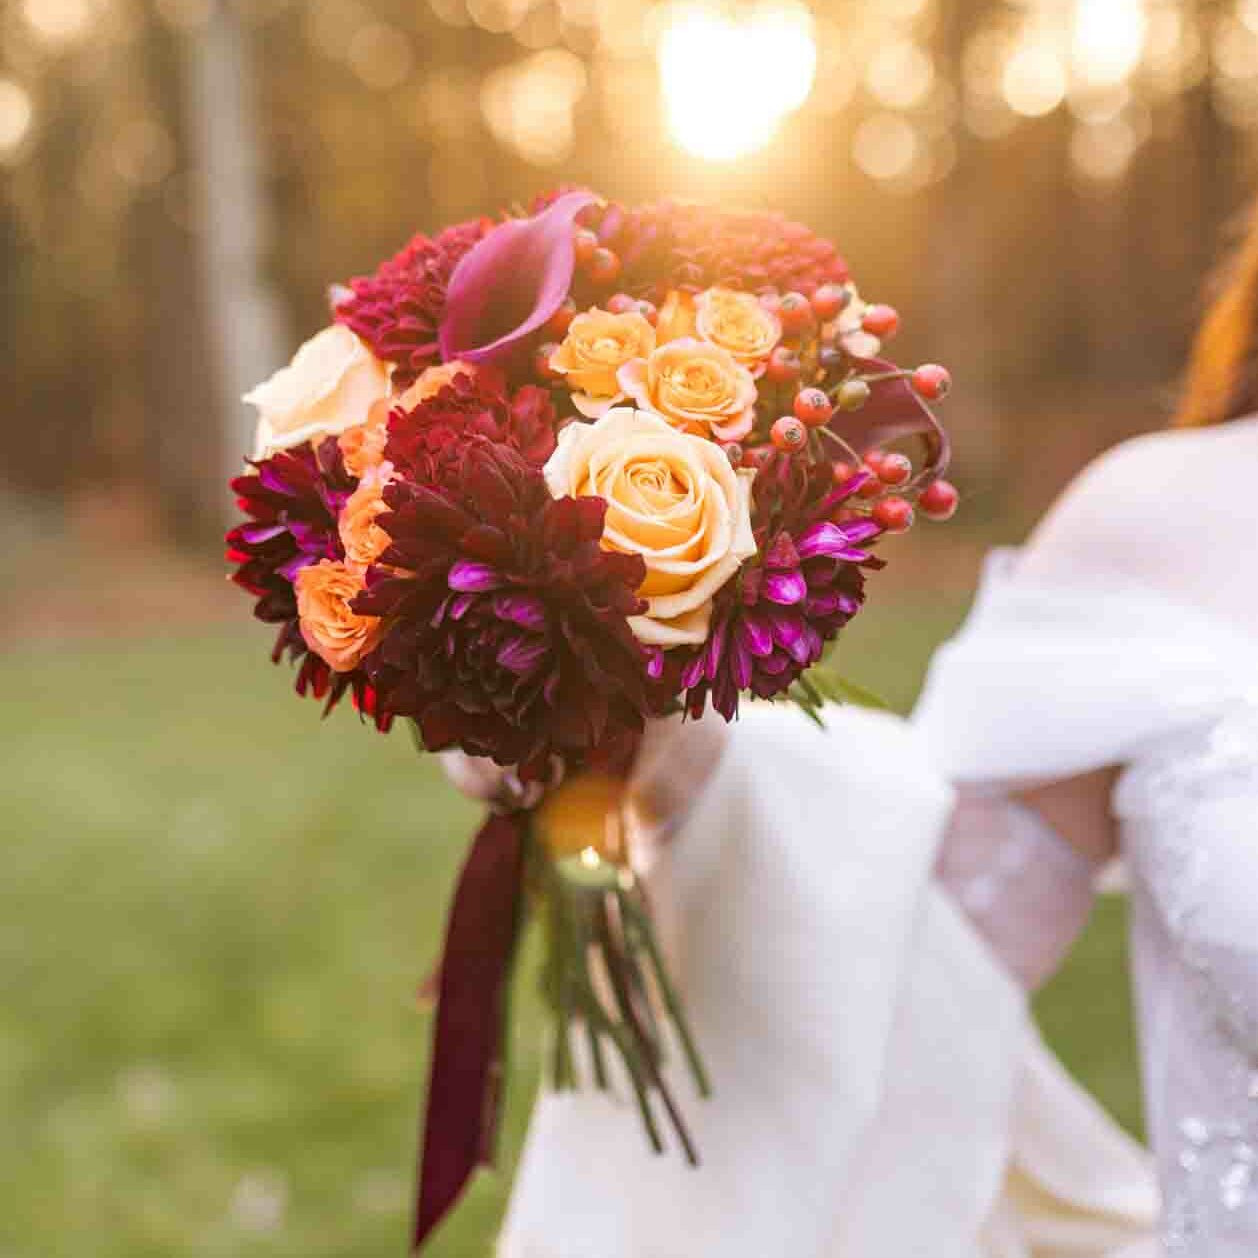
x,y
673,765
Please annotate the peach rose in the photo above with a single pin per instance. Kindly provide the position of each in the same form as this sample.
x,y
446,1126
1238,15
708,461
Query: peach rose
x,y
329,386
674,499
676,318
362,446
739,323
432,380
364,540
598,344
332,630
695,386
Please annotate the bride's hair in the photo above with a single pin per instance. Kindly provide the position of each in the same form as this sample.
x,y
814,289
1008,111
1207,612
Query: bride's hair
x,y
1222,380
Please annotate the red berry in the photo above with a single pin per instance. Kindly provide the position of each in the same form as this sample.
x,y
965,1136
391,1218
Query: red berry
x,y
939,500
584,243
647,310
874,458
789,434
795,312
894,514
881,321
813,407
842,472
733,452
853,394
541,361
894,469
603,266
557,325
783,366
757,456
829,300
931,381
620,303
872,488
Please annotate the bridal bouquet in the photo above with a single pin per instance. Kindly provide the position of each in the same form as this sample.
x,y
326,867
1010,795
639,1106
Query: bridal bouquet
x,y
543,479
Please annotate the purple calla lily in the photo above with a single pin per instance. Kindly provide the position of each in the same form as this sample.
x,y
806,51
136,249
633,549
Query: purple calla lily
x,y
510,283
893,411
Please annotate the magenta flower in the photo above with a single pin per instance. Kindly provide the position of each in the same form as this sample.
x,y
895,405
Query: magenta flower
x,y
506,287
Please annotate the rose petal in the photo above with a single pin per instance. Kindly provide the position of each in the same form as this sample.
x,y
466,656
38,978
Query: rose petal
x,y
511,282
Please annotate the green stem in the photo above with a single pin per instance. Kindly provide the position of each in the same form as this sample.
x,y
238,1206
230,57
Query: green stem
x,y
671,1002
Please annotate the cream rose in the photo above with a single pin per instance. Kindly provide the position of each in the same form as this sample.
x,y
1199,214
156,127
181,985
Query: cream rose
x,y
597,345
329,386
696,386
738,322
672,498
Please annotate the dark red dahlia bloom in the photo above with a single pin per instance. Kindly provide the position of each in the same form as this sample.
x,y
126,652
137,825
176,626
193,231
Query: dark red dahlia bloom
x,y
772,623
505,620
681,245
292,500
480,405
398,310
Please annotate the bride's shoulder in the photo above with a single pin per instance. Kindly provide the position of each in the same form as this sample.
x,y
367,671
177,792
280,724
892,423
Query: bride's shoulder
x,y
1133,494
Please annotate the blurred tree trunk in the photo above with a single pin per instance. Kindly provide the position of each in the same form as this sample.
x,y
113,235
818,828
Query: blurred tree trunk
x,y
246,323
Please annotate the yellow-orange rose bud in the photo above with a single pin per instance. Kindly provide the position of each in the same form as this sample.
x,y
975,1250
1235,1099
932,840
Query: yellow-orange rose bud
x,y
676,319
672,498
696,386
362,446
433,380
330,385
364,540
597,345
333,631
739,323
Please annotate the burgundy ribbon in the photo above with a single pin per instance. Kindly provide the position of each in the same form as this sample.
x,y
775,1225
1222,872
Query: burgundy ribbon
x,y
465,1082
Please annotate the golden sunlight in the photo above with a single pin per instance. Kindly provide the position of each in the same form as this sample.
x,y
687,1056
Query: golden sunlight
x,y
728,82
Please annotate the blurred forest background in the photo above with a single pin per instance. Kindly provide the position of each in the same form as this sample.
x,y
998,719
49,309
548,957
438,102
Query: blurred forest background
x,y
207,1039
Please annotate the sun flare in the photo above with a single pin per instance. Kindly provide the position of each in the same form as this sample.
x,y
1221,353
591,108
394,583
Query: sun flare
x,y
728,82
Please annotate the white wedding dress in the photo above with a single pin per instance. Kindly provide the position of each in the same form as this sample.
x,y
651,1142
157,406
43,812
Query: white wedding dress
x,y
1126,634
879,1088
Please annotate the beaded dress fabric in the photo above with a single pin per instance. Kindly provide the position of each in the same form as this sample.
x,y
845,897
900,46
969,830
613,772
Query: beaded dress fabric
x,y
1126,634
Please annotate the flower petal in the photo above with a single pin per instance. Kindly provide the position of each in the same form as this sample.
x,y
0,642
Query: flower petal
x,y
473,578
511,282
786,588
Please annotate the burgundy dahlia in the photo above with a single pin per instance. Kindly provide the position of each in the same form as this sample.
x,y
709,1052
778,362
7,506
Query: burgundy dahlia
x,y
505,620
680,245
774,624
292,500
480,405
398,310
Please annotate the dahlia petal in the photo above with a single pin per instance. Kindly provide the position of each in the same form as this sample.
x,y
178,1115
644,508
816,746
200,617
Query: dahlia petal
x,y
787,630
473,578
786,588
525,610
834,541
755,636
522,654
782,554
510,283
742,665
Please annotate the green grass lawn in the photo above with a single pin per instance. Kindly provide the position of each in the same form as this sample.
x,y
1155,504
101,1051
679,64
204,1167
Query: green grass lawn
x,y
214,913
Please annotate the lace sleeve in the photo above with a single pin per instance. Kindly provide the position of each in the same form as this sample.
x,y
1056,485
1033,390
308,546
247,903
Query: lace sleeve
x,y
1025,889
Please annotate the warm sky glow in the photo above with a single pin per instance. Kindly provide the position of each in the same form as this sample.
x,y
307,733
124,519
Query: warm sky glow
x,y
729,82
